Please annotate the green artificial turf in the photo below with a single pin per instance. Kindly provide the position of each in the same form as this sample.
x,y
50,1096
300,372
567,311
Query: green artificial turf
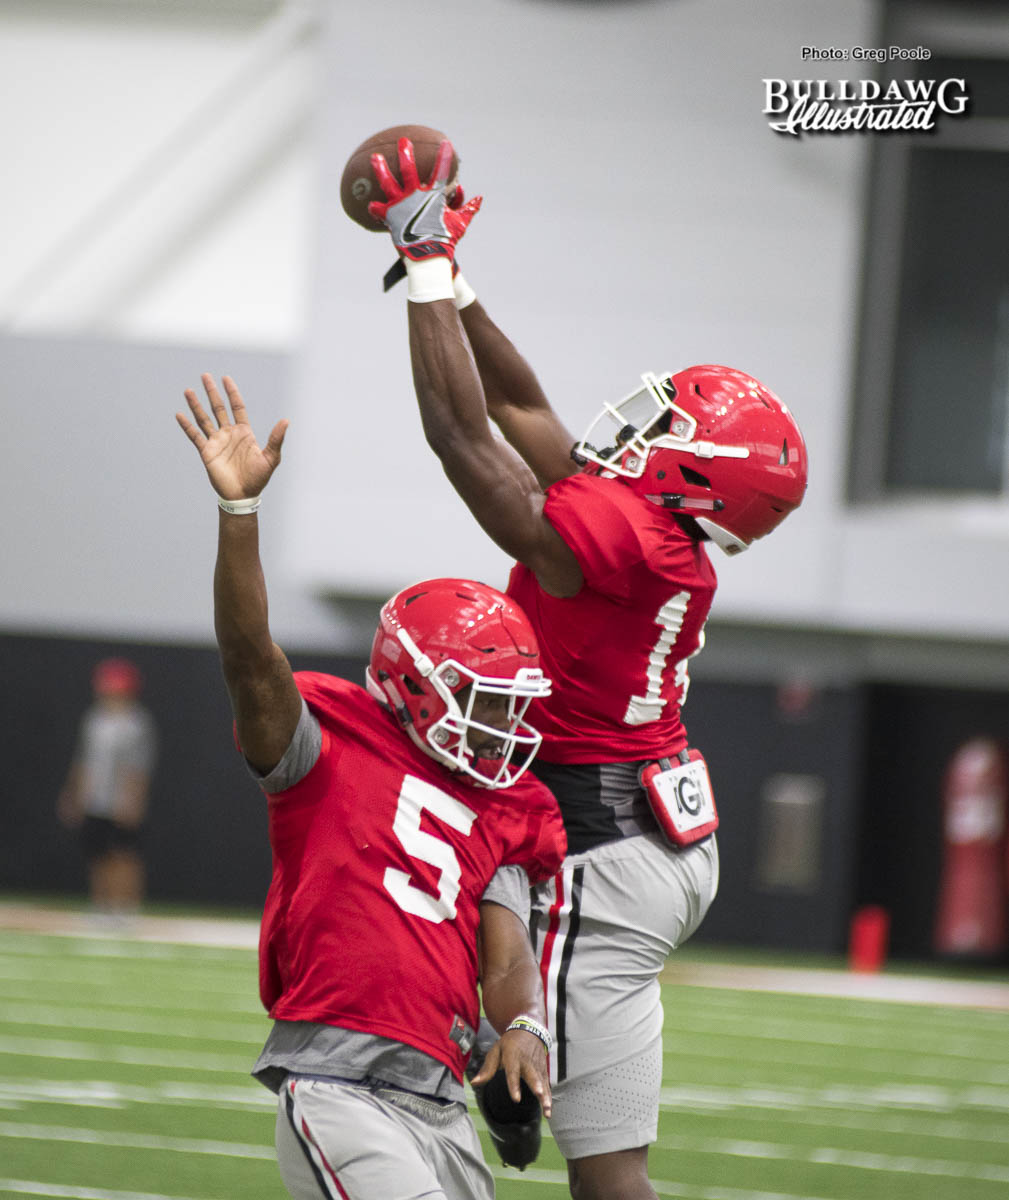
x,y
124,1075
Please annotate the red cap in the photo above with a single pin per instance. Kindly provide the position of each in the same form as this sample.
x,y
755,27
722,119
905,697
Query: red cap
x,y
115,676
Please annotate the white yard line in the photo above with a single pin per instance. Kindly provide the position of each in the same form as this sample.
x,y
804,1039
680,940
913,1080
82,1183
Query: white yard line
x,y
684,1191
137,1056
194,1028
904,989
53,976
854,1033
134,1141
99,1093
920,1125
937,1099
35,1187
663,1187
233,934
837,1157
245,1008
799,1061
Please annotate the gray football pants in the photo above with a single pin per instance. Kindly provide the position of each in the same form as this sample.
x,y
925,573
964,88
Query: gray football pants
x,y
342,1141
604,926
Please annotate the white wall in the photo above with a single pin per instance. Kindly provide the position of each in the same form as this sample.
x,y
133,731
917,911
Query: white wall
x,y
639,215
109,523
159,169
155,222
172,179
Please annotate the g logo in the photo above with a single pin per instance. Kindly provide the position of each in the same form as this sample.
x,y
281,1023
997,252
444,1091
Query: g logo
x,y
688,796
361,188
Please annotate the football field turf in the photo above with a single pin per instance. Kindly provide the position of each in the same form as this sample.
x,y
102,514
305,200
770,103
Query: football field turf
x,y
124,1076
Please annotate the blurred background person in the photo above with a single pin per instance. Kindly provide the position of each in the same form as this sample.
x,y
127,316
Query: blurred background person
x,y
106,789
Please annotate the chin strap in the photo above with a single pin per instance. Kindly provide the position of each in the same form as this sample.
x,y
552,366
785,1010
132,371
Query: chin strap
x,y
672,500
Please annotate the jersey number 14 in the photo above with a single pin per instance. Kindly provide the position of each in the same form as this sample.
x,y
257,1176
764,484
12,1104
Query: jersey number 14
x,y
643,709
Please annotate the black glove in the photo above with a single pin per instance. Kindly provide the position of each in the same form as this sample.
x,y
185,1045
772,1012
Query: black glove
x,y
514,1128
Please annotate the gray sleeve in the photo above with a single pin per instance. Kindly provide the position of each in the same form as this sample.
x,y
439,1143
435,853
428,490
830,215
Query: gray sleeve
x,y
299,758
510,888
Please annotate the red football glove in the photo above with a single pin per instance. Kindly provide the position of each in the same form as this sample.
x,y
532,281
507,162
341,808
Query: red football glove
x,y
423,221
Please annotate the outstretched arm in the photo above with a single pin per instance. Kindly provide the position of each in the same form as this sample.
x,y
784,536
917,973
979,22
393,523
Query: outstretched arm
x,y
510,986
515,401
498,487
264,696
496,484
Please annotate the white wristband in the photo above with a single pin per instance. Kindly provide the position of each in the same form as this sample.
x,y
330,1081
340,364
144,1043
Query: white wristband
x,y
429,279
529,1025
464,294
240,508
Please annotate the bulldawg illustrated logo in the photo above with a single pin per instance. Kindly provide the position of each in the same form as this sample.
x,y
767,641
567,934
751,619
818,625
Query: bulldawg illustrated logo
x,y
861,105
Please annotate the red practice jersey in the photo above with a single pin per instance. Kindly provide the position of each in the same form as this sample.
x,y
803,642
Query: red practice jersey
x,y
617,651
380,859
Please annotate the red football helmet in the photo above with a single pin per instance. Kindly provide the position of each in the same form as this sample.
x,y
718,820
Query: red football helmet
x,y
711,442
442,644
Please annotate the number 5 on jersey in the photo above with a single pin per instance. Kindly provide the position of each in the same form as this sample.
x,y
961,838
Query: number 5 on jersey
x,y
414,796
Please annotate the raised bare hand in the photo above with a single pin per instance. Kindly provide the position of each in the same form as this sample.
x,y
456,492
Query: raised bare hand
x,y
236,466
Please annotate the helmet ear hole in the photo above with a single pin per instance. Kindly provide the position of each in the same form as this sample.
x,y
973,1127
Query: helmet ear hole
x,y
412,686
694,477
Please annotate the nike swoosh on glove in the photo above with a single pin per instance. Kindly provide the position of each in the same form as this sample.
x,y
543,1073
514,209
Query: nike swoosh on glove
x,y
418,215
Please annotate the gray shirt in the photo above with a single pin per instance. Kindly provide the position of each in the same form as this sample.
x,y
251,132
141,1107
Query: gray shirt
x,y
113,744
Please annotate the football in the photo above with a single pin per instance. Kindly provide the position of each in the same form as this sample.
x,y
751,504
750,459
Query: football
x,y
358,185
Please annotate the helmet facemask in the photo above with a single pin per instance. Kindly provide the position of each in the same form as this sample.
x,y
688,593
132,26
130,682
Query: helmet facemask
x,y
648,419
452,738
452,693
667,452
620,437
